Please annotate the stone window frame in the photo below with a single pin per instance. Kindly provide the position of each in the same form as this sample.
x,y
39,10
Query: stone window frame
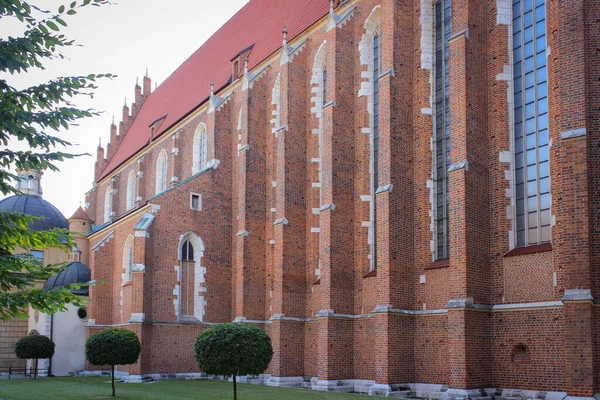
x,y
372,27
128,249
318,100
443,180
161,172
199,277
131,189
108,204
199,208
539,62
200,149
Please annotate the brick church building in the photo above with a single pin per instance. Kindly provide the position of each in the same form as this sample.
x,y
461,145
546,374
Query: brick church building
x,y
404,194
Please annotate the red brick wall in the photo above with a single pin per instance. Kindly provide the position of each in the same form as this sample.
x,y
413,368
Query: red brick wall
x,y
249,277
431,349
541,332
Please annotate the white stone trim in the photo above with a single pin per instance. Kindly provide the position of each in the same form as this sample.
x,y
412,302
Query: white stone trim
x,y
216,103
199,275
504,13
338,21
288,52
199,208
372,27
131,190
577,295
162,172
427,34
276,101
137,317
200,149
138,268
104,241
281,221
249,78
527,306
573,133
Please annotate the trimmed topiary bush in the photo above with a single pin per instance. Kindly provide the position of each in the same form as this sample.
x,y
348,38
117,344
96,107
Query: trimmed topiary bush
x,y
113,347
233,350
34,347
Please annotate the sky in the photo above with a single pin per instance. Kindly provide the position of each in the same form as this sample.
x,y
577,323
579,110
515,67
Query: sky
x,y
125,39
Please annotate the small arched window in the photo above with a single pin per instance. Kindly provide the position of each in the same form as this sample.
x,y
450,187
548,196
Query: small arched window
x,y
131,190
324,85
236,70
107,205
187,251
128,259
200,140
161,172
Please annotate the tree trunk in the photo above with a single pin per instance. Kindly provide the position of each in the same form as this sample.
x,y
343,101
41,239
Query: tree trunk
x,y
234,388
35,371
113,380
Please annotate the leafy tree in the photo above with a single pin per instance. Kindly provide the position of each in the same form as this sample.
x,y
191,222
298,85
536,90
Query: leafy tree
x,y
34,347
33,116
113,347
233,350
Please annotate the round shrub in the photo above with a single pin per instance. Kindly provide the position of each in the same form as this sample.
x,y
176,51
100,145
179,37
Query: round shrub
x,y
113,347
233,350
34,347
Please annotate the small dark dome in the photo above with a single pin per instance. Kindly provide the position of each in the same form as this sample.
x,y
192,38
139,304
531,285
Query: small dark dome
x,y
35,206
74,272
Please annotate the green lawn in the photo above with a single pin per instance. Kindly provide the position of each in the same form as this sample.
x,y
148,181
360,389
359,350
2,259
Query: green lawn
x,y
99,387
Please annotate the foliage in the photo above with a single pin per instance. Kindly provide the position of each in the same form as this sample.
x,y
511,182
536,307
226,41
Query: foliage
x,y
113,347
33,116
232,350
34,347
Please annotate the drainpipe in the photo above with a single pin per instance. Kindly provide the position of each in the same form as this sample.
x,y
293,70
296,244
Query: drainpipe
x,y
51,334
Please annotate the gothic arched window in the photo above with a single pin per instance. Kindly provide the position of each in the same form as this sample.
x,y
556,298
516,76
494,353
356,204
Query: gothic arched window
x,y
107,205
199,157
127,259
187,251
161,172
131,190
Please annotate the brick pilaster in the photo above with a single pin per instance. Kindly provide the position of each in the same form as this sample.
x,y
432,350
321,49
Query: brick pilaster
x,y
249,241
289,293
468,210
336,212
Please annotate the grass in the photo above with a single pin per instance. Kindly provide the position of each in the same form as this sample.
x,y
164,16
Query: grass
x,y
99,387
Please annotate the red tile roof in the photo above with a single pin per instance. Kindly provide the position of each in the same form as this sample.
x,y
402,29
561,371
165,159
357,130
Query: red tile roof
x,y
258,23
80,214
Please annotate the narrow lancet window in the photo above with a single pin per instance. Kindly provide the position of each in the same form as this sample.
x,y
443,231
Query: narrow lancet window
x,y
161,172
375,173
324,83
532,166
199,156
441,127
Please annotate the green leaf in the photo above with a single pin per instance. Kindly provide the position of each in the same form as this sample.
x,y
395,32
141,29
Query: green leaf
x,y
34,118
52,25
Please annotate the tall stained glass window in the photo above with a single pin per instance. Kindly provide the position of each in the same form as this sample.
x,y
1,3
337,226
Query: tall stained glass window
x,y
441,122
375,172
532,172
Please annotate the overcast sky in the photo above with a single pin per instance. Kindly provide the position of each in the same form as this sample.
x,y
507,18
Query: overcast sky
x,y
124,39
